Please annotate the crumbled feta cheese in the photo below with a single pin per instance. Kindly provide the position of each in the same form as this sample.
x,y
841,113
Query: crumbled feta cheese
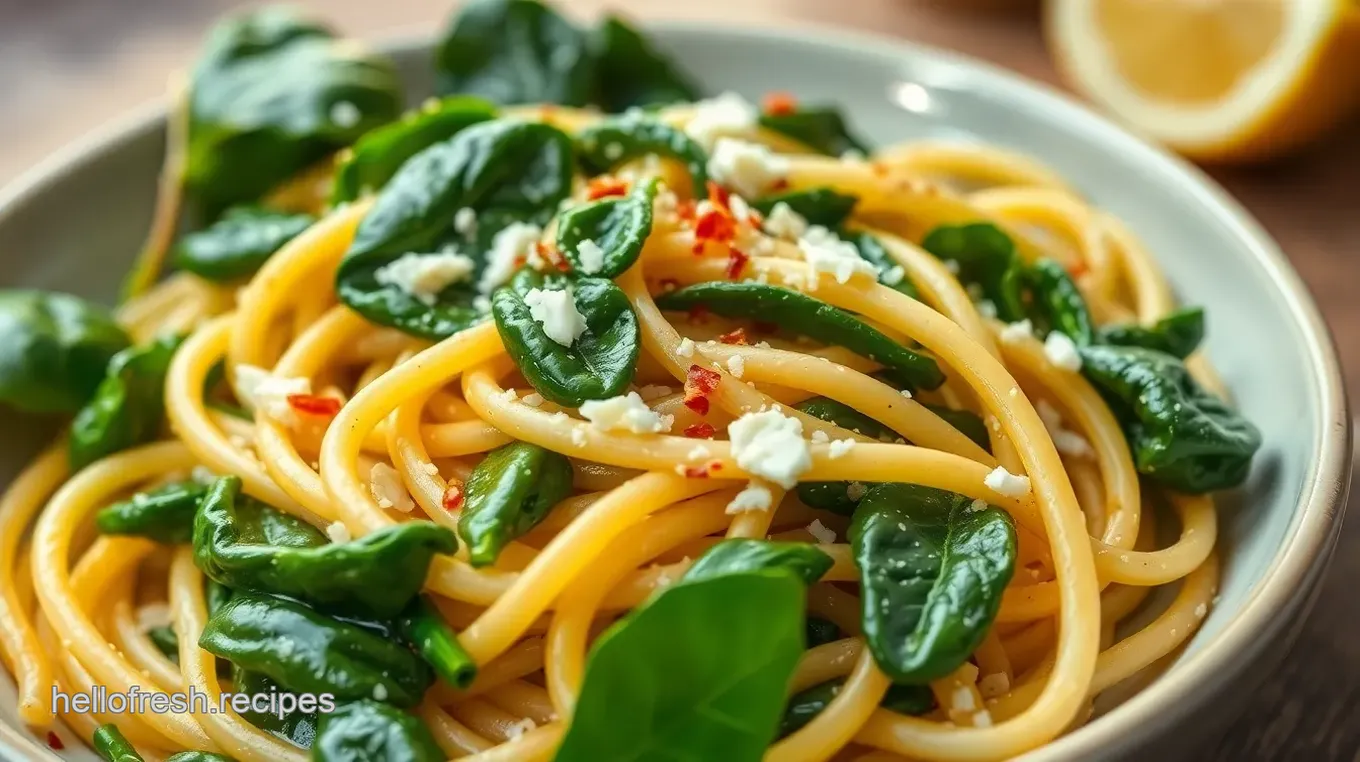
x,y
625,412
785,223
820,437
699,453
384,483
977,505
556,311
268,394
893,275
686,348
1066,441
1017,332
855,491
727,114
841,447
982,719
591,256
345,114
906,393
424,276
1062,351
1201,610
654,391
986,308
509,249
578,436
508,395
202,475
952,265
994,685
770,445
533,399
1006,483
465,221
824,534
338,533
736,365
826,252
517,730
963,699
741,211
754,497
748,168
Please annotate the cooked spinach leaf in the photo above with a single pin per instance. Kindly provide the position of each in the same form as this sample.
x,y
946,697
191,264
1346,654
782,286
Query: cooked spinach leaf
x,y
55,350
631,73
367,731
239,243
128,407
509,493
515,51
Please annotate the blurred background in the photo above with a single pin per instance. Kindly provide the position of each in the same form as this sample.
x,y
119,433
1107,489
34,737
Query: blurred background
x,y
68,66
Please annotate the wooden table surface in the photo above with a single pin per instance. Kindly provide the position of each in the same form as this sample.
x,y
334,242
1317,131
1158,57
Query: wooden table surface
x,y
68,65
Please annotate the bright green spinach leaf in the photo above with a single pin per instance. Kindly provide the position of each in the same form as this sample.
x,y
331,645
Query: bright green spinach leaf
x,y
508,494
239,243
822,129
308,652
616,228
985,256
128,407
1057,303
1181,435
377,156
297,726
375,575
367,731
615,140
197,756
932,571
272,94
515,51
631,73
164,514
55,350
740,555
1178,334
599,364
799,313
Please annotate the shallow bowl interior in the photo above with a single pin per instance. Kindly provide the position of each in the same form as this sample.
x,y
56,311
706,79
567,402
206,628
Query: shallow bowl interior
x,y
75,222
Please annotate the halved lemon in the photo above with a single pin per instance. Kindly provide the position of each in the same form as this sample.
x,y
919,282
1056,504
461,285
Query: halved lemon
x,y
1217,80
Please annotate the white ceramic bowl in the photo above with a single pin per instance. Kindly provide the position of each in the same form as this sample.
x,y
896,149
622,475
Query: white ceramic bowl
x,y
75,222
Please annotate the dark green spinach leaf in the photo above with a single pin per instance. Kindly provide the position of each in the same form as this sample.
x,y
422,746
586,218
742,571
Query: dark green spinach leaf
x,y
308,652
599,364
613,228
799,313
509,493
367,731
631,73
821,128
55,350
615,140
165,514
128,408
819,206
297,726
110,745
1057,303
515,51
819,632
422,626
932,571
1178,334
239,243
985,256
804,706
1181,435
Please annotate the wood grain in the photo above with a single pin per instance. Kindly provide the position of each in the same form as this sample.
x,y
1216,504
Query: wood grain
x,y
68,66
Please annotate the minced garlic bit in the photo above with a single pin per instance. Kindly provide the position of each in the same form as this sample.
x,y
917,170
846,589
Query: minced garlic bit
x,y
556,311
755,497
338,533
387,489
1017,332
840,447
736,365
770,445
626,412
268,394
824,534
1006,483
1062,352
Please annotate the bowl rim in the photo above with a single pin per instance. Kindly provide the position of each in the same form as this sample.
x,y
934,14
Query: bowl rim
x,y
1296,565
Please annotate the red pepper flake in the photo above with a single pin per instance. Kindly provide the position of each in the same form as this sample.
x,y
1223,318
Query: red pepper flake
x,y
54,741
755,219
1078,268
761,326
699,383
736,262
779,103
698,314
686,209
719,197
735,336
701,430
604,186
696,472
552,256
453,496
713,225
311,404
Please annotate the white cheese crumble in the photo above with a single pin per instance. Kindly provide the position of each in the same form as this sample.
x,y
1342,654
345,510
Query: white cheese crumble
x,y
754,497
578,436
983,719
338,533
533,399
1201,610
507,248
517,730
626,412
465,221
962,699
686,348
384,483
785,223
977,506
202,475
1062,351
894,275
591,256
425,275
906,393
556,311
1066,441
267,393
841,447
699,453
826,252
736,365
986,308
654,392
770,445
1006,483
748,168
1017,332
824,534
820,437
727,114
